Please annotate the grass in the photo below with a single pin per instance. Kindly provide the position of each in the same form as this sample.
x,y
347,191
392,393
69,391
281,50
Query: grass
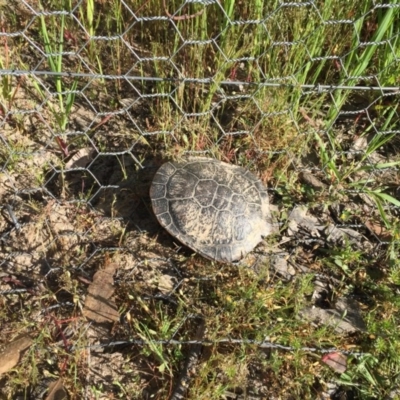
x,y
233,89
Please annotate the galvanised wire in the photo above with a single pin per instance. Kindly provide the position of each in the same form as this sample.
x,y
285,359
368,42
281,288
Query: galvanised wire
x,y
280,82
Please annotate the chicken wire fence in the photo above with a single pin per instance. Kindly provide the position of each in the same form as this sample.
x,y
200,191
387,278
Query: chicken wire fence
x,y
91,102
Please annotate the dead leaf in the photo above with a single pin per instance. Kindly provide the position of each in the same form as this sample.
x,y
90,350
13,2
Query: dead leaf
x,y
56,391
99,306
314,123
166,283
337,361
345,317
282,267
81,158
10,357
299,220
339,236
359,145
379,230
312,180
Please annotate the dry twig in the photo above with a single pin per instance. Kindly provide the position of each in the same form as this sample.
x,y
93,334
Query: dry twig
x,y
181,17
191,363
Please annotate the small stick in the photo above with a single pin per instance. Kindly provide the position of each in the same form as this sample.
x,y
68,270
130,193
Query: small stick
x,y
307,118
13,217
191,363
181,17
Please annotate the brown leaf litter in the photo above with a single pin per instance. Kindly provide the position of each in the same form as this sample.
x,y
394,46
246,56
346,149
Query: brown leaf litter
x,y
13,352
99,306
56,391
335,360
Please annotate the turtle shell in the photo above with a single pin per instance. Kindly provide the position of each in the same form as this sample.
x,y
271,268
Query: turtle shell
x,y
219,210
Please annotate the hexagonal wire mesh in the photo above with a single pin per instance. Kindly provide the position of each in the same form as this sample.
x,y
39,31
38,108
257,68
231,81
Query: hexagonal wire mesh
x,y
93,100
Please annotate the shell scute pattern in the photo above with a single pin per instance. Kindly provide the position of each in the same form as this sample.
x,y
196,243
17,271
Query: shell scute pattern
x,y
161,205
165,219
222,197
219,210
204,192
224,177
222,232
241,184
238,205
241,230
208,170
187,221
181,185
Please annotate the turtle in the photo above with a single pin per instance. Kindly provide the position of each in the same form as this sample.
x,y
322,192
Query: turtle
x,y
219,210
